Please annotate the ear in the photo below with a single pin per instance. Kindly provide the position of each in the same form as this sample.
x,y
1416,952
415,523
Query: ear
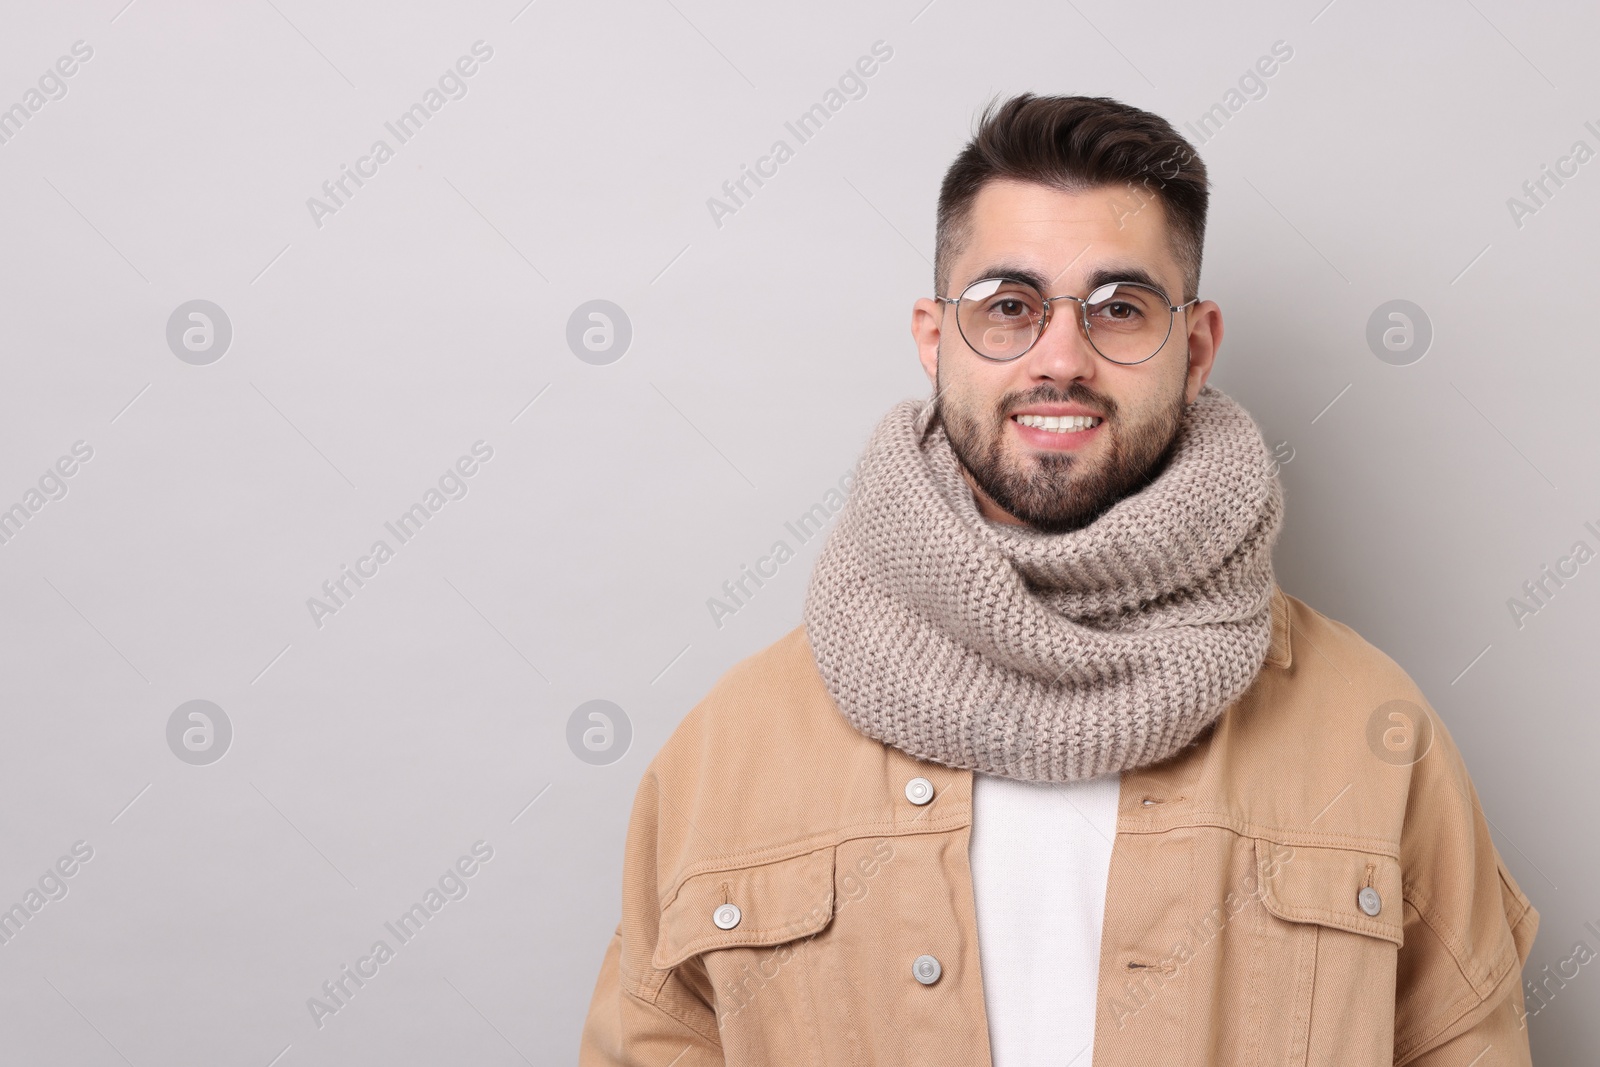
x,y
926,316
1205,337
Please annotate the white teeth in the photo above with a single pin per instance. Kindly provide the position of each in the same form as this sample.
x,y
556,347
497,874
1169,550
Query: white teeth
x,y
1059,423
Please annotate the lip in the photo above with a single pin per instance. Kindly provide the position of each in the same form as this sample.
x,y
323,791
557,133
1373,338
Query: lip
x,y
1045,440
1058,410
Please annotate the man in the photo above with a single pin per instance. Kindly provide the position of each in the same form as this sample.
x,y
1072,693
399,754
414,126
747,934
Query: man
x,y
1054,772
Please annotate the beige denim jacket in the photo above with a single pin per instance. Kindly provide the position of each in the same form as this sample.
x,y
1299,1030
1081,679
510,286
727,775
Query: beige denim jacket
x,y
1296,887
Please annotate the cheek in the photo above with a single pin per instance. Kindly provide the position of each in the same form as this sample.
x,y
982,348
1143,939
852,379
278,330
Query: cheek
x,y
977,392
1158,402
1142,390
955,380
1173,382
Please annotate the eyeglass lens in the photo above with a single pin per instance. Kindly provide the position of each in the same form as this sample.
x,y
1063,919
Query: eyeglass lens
x,y
1127,322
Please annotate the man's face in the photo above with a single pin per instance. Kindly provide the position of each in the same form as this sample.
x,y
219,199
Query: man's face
x,y
1058,480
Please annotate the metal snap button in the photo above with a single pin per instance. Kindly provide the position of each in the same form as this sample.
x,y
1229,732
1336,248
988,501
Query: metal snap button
x,y
926,969
919,791
726,917
1369,900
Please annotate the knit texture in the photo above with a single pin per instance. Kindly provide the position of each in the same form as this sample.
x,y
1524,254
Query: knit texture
x,y
1038,656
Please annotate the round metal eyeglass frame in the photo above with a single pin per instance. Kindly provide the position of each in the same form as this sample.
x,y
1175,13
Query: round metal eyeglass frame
x,y
1083,318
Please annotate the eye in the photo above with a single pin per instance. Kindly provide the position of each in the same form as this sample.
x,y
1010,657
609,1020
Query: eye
x,y
1009,305
1123,305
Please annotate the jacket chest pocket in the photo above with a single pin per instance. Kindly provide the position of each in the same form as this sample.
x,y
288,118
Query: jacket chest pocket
x,y
747,929
1336,921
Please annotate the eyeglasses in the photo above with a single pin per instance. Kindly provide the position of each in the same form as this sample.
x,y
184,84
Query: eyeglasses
x,y
1002,318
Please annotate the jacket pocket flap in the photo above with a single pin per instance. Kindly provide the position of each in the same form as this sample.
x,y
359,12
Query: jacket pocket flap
x,y
777,902
1329,886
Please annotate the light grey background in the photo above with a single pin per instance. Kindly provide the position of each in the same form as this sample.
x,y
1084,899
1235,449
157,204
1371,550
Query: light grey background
x,y
431,310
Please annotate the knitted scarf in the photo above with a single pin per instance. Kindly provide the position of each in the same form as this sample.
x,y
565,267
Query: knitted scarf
x,y
1039,656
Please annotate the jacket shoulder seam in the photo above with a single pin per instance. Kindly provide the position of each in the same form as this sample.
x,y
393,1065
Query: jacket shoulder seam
x,y
714,1038
1481,978
1427,1040
1525,914
1479,989
647,990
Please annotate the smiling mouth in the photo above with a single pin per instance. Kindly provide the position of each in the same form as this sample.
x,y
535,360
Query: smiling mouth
x,y
1059,423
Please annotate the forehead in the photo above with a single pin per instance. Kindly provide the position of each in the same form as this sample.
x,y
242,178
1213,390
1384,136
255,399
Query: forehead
x,y
1065,235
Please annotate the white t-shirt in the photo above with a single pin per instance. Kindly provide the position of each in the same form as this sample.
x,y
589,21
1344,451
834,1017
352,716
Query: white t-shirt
x,y
1040,855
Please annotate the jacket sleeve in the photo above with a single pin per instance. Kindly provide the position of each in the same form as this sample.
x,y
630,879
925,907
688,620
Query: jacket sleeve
x,y
627,1029
1498,1039
639,1015
1468,927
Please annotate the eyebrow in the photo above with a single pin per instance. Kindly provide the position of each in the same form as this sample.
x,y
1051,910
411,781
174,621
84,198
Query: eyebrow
x,y
1101,275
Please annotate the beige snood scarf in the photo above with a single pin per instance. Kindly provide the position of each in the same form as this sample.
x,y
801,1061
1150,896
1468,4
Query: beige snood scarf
x,y
1047,657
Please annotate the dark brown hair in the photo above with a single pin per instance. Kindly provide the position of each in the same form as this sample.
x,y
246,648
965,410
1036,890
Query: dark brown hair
x,y
1075,143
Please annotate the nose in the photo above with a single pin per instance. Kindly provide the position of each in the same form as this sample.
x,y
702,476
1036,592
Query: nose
x,y
1062,352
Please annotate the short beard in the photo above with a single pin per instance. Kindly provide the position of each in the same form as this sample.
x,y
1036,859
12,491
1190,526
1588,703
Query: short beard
x,y
1055,495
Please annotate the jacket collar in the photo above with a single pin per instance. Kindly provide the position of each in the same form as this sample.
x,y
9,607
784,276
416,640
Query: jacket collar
x,y
1278,653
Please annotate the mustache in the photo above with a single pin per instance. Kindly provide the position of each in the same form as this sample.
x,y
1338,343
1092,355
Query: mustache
x,y
1076,393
